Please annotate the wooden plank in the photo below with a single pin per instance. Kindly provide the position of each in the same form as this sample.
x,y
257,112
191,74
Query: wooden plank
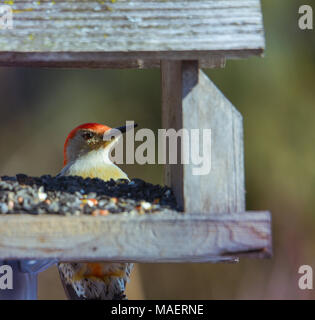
x,y
190,100
232,28
109,60
171,82
167,237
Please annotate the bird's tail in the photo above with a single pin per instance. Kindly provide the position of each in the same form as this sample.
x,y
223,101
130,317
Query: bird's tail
x,y
95,281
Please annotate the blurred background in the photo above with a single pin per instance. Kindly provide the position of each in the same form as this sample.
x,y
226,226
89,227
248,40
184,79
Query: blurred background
x,y
276,97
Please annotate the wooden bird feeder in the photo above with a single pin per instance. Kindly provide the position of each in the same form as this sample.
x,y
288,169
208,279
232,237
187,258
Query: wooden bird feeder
x,y
180,37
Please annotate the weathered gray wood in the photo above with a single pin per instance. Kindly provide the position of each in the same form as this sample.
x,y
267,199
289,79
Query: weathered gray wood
x,y
109,60
190,100
167,237
232,28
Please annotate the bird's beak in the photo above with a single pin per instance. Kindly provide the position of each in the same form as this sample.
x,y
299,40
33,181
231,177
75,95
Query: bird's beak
x,y
113,133
124,129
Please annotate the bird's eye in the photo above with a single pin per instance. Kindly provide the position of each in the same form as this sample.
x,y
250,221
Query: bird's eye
x,y
87,135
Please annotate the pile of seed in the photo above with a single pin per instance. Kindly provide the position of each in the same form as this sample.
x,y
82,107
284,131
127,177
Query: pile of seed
x,y
74,195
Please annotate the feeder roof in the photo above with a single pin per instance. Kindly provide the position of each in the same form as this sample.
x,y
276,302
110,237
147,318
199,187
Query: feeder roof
x,y
127,33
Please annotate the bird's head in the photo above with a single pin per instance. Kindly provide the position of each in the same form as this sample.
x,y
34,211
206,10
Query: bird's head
x,y
90,137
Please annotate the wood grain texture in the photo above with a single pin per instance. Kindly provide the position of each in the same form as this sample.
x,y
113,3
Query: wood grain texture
x,y
232,28
109,60
190,100
160,237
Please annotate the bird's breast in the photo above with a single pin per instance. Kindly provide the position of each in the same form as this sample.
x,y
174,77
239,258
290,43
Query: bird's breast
x,y
103,171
